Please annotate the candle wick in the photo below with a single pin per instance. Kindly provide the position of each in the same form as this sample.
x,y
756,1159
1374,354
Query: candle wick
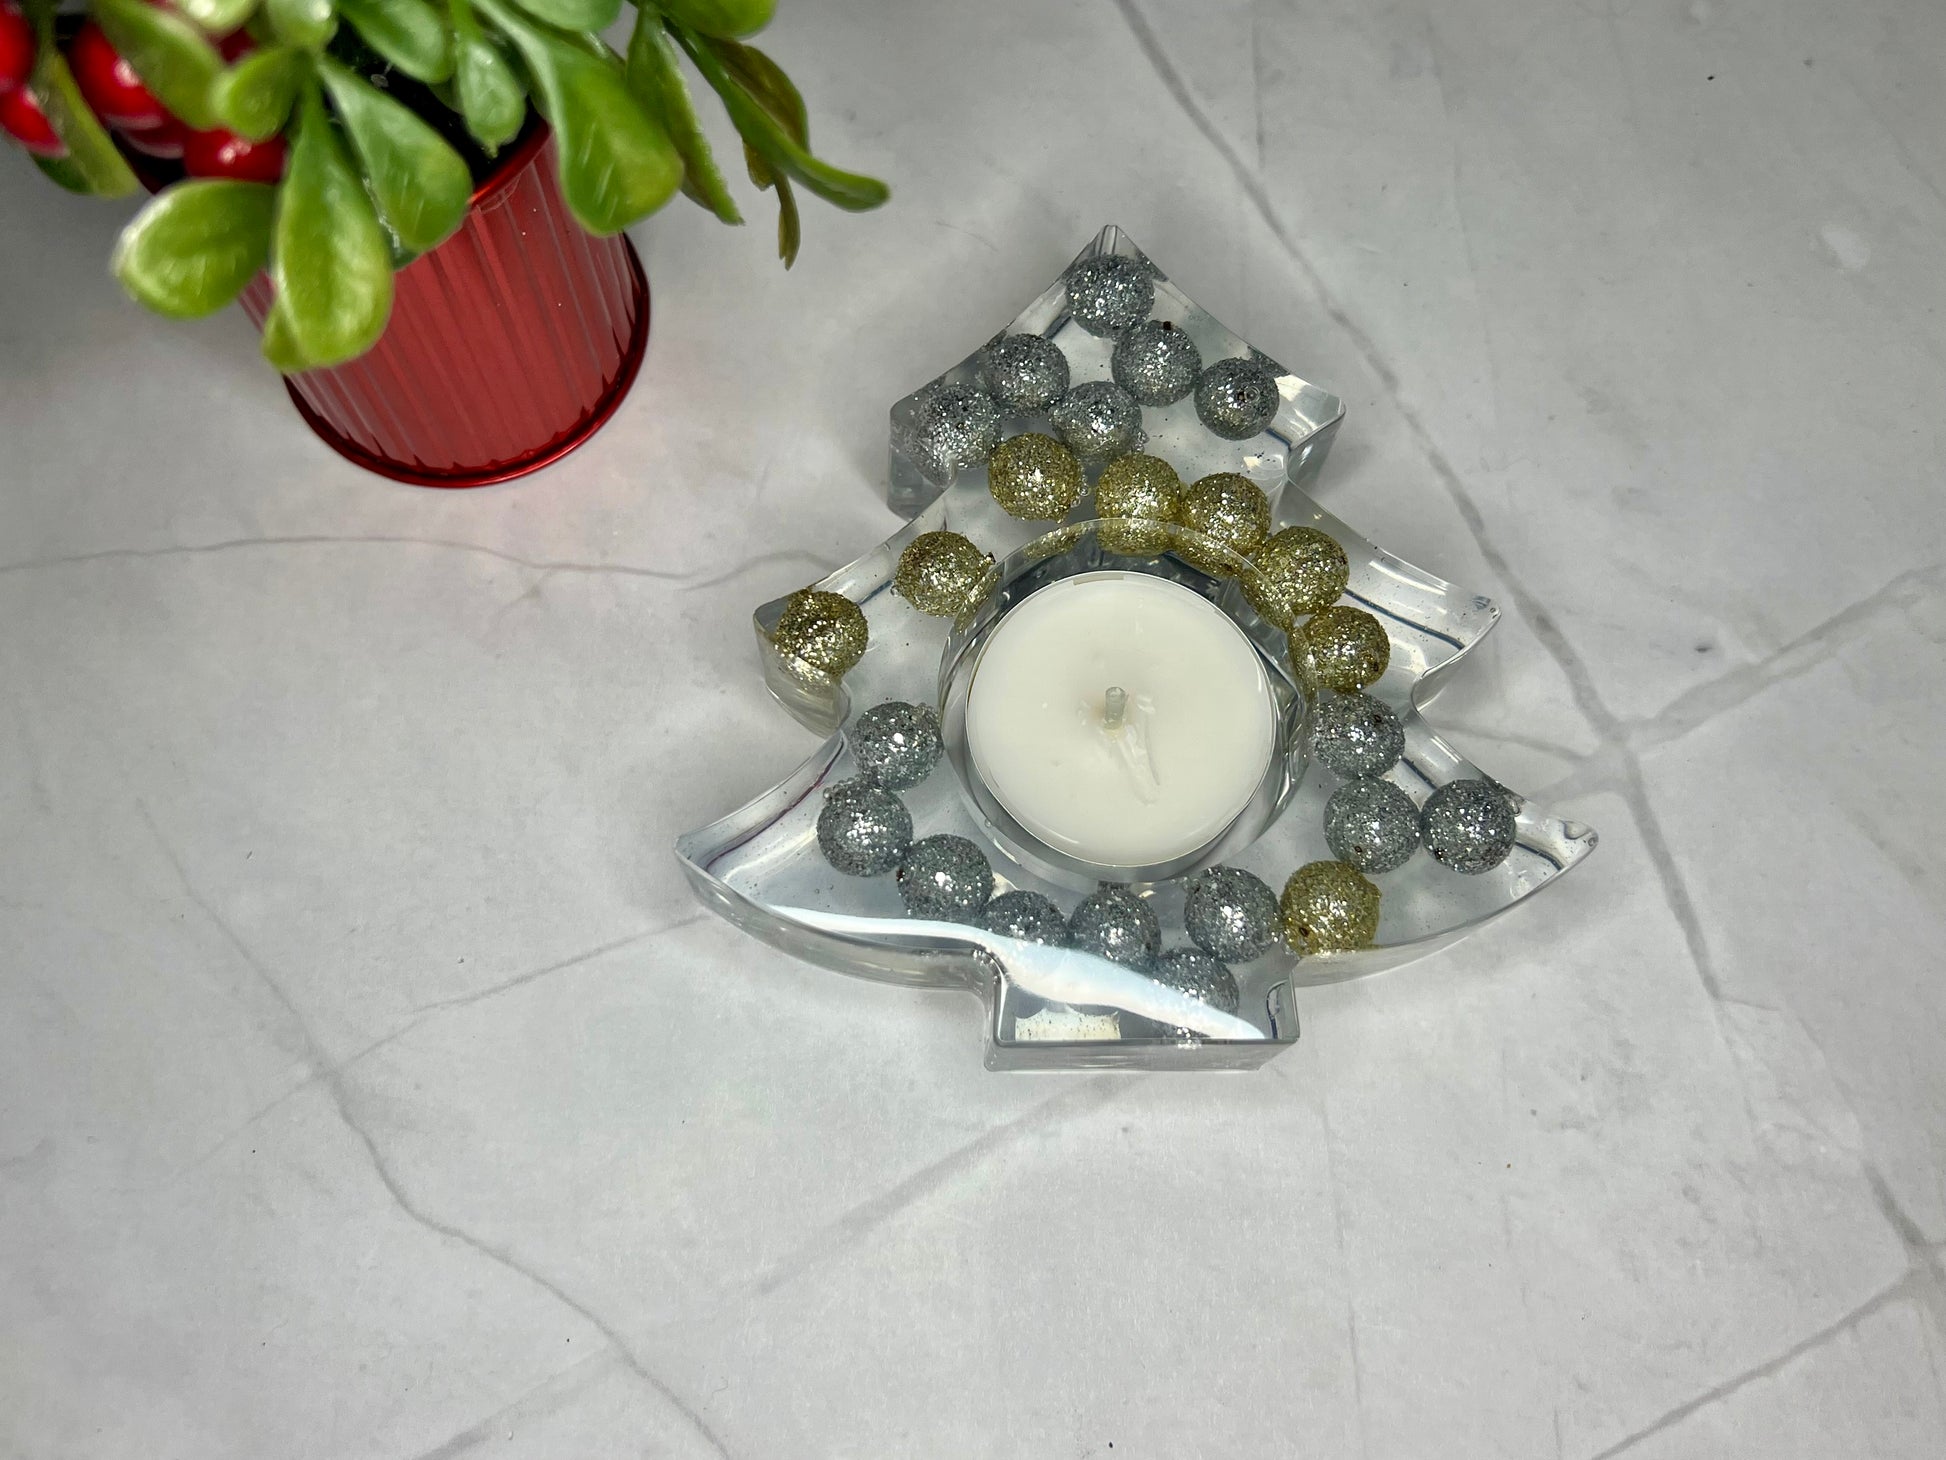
x,y
1117,707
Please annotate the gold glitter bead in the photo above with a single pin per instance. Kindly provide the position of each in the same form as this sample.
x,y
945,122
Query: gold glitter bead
x,y
1034,477
1138,489
827,631
1328,907
1298,572
1341,648
1230,508
942,573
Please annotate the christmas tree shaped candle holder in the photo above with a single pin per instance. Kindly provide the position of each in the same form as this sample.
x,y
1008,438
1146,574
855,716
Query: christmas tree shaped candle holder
x,y
1146,873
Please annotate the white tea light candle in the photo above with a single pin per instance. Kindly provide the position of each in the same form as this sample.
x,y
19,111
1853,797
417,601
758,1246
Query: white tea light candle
x,y
1121,718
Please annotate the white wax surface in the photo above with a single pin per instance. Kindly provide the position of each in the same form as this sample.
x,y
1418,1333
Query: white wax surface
x,y
1198,735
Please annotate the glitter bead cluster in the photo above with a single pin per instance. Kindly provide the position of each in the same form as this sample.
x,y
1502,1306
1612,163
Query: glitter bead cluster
x,y
1205,979
1470,826
1027,916
1229,508
1294,579
945,878
1108,293
1328,907
942,573
1230,914
1156,362
1356,735
824,631
1098,420
1237,398
1297,572
1117,925
896,744
1371,824
863,830
1025,372
958,425
1034,477
1341,648
1136,497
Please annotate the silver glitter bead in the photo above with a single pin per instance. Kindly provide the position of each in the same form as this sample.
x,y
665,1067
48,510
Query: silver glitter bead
x,y
1356,735
959,425
946,878
1117,925
1371,824
1027,916
1469,826
1109,293
864,829
1231,914
1206,979
1236,398
1156,362
896,744
1098,419
1027,372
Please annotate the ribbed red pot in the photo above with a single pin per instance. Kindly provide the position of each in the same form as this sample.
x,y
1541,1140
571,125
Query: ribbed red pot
x,y
509,344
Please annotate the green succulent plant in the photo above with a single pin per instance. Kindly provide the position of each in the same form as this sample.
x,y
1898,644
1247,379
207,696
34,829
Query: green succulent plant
x,y
390,111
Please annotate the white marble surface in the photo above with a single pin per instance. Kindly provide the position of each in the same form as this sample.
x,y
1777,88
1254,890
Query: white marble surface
x,y
370,1085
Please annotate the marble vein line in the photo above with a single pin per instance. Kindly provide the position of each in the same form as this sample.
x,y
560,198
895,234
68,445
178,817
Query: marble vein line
x,y
1705,702
969,233
1344,1267
1921,1283
419,1016
1524,1289
1257,81
1462,729
854,1225
546,567
236,544
1698,706
507,1260
1614,733
334,1084
614,945
1897,1292
823,566
1900,149
1465,230
1606,724
312,1075
1923,1256
544,1398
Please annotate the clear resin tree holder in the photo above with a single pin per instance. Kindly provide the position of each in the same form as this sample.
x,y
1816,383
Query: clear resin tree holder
x,y
1047,1006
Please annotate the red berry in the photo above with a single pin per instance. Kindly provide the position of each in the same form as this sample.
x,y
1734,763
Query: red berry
x,y
21,115
164,141
16,49
110,83
219,153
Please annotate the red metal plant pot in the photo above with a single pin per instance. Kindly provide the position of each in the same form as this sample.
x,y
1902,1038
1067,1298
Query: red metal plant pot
x,y
508,346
